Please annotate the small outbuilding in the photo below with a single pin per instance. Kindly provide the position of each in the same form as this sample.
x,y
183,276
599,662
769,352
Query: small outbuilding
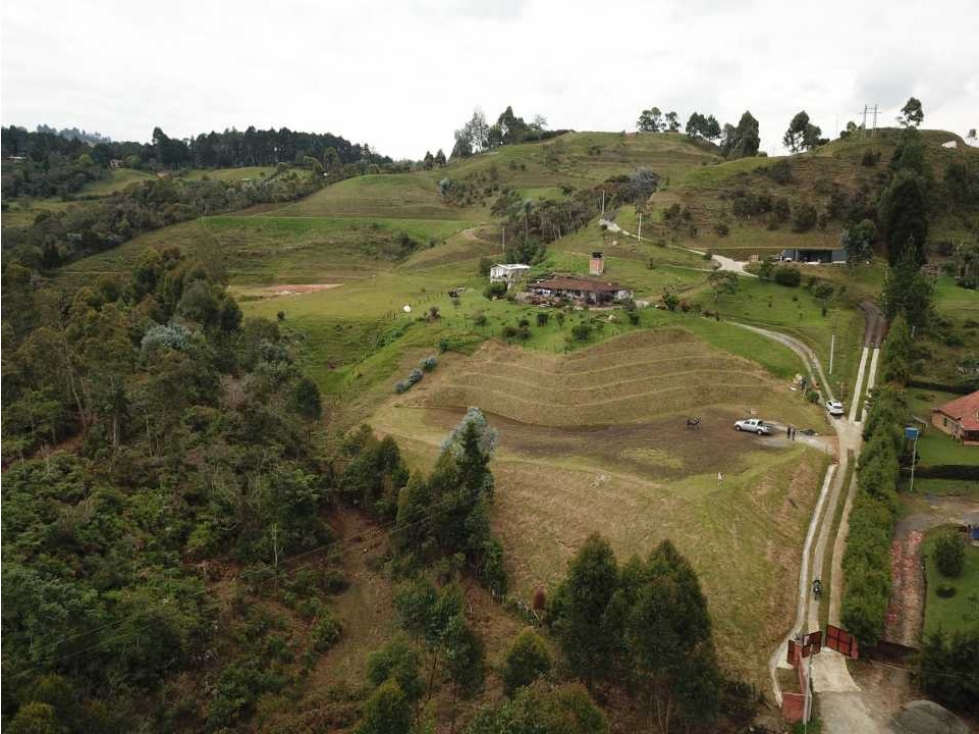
x,y
508,273
814,255
959,418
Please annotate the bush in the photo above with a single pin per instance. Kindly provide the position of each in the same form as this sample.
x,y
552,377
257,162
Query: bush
x,y
804,218
949,553
481,320
945,591
581,332
526,661
495,290
787,276
429,363
542,319
325,632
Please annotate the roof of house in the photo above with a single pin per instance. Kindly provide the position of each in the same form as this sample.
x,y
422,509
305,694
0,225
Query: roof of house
x,y
577,284
965,410
513,266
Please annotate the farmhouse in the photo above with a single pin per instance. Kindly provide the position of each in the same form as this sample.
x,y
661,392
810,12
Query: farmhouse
x,y
837,255
959,418
508,274
585,290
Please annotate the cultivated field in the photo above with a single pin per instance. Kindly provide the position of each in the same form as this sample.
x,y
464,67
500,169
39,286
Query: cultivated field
x,y
596,441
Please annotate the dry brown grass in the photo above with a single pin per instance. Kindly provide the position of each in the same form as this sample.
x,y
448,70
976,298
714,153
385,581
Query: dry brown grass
x,y
594,442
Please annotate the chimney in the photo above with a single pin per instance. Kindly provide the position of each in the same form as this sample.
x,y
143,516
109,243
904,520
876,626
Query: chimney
x,y
596,266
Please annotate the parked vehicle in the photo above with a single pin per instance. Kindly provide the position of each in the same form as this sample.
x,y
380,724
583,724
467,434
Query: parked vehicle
x,y
835,408
755,425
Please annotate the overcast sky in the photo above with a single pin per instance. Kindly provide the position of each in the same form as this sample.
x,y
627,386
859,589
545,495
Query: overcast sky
x,y
402,76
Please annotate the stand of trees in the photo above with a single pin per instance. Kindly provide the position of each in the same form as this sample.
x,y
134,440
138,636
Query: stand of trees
x,y
56,165
189,449
477,136
645,626
57,238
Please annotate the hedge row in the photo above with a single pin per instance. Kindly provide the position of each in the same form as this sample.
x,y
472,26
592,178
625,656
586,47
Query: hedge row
x,y
962,388
966,472
867,560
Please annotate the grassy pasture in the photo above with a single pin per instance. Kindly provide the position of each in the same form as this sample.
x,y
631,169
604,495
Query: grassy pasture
x,y
581,159
119,178
396,195
260,249
607,451
959,611
242,173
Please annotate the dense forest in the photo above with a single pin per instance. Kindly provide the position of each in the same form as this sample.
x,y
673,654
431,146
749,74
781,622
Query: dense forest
x,y
52,164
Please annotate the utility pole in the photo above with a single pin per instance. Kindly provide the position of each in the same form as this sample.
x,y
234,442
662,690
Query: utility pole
x,y
640,226
504,238
872,134
832,347
603,202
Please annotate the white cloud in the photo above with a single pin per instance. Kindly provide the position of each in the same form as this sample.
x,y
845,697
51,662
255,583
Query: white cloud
x,y
403,76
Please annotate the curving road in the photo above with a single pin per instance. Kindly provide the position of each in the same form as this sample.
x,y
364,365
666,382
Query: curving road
x,y
841,705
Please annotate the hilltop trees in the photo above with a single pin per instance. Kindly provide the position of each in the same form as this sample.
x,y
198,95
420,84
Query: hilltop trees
x,y
742,141
672,122
802,134
912,114
650,121
707,128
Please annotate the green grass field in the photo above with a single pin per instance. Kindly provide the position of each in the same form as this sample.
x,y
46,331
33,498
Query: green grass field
x,y
118,179
960,610
242,173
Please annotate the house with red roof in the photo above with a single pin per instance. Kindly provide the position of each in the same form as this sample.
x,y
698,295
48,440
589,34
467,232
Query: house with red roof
x,y
959,419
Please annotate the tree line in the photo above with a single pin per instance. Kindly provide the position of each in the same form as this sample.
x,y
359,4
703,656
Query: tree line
x,y
46,164
57,238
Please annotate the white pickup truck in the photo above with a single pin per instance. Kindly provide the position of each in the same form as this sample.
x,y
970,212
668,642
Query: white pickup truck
x,y
755,425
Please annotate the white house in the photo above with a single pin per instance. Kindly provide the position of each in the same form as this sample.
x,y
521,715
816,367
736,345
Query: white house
x,y
508,274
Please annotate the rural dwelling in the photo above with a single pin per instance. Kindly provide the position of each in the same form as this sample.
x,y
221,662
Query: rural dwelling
x,y
837,255
585,290
508,274
959,418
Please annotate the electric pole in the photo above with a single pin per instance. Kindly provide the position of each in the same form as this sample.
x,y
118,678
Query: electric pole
x,y
640,226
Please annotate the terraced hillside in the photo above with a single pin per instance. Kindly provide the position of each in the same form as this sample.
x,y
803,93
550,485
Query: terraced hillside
x,y
634,378
596,441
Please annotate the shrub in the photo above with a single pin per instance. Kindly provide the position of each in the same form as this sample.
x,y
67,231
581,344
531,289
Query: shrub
x,y
495,290
787,276
804,218
633,317
509,332
325,632
722,229
542,319
581,332
945,591
481,320
949,553
429,363
526,661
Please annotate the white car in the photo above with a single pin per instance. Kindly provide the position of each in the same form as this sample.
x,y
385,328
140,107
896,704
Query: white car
x,y
755,425
835,408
